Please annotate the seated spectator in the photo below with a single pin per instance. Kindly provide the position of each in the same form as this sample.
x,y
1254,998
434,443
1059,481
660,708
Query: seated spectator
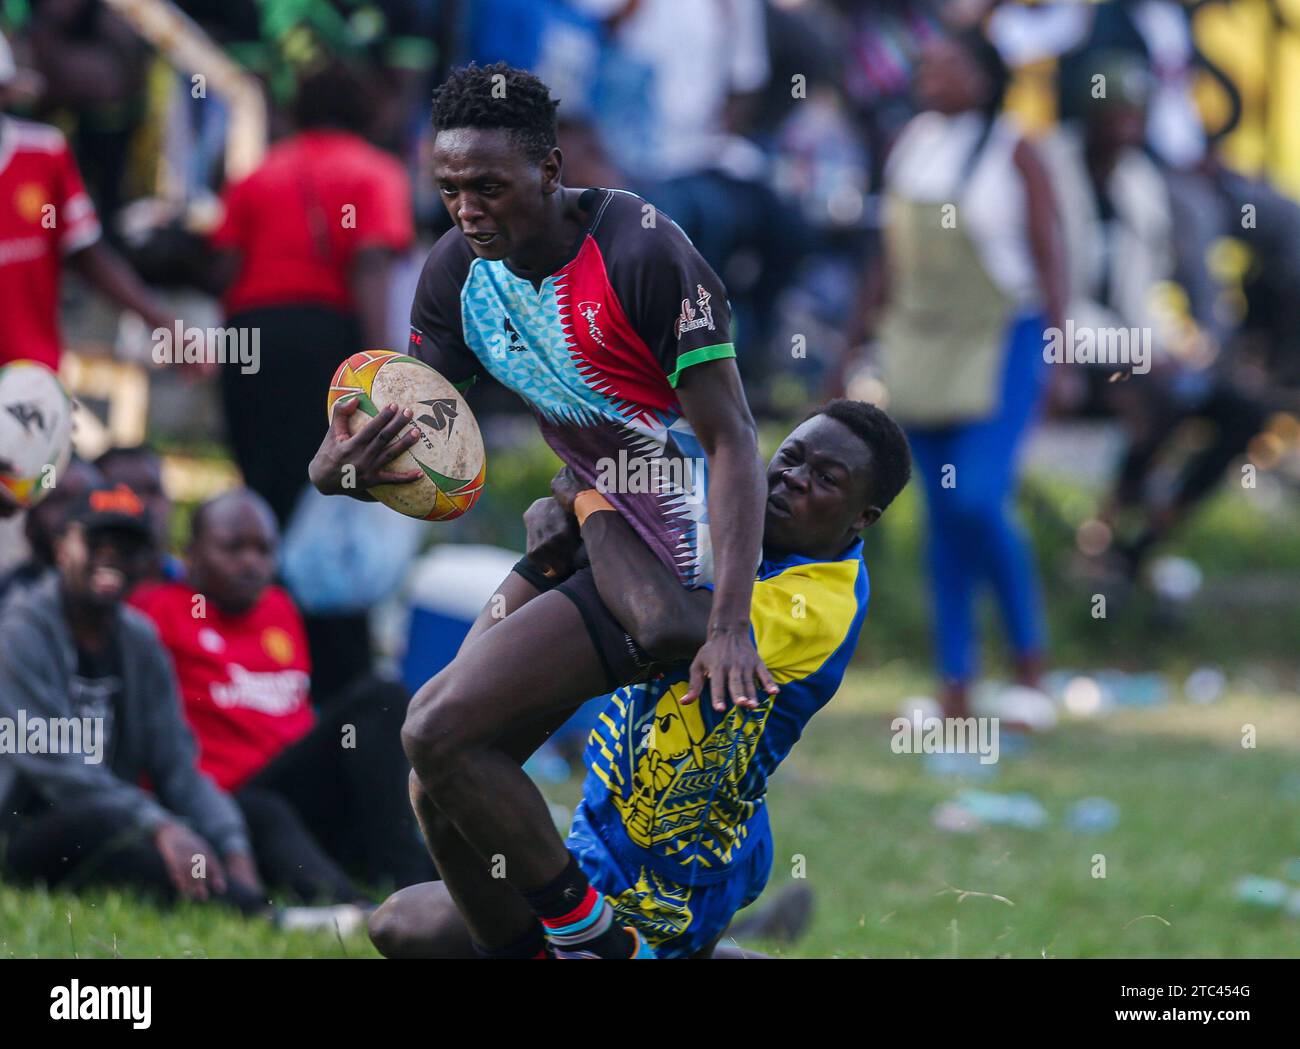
x,y
43,524
1124,236
140,469
323,795
73,660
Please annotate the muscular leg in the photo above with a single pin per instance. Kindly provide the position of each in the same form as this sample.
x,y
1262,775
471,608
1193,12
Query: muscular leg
x,y
420,921
493,912
537,661
514,592
490,911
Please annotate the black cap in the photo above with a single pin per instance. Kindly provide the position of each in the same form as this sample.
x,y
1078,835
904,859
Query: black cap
x,y
111,507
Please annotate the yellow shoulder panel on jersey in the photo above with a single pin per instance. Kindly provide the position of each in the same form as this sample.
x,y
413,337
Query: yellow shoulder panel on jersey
x,y
803,615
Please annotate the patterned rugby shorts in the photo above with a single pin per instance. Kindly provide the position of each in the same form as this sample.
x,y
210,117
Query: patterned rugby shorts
x,y
677,920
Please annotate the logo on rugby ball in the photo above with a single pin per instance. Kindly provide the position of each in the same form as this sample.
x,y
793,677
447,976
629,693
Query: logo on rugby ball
x,y
441,413
27,412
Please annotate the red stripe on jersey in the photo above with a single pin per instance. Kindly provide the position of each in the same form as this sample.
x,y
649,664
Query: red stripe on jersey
x,y
611,357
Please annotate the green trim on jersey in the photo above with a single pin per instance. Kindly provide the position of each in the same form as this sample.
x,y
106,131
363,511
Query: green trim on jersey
x,y
716,352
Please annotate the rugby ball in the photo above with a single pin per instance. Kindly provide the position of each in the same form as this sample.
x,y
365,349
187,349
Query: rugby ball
x,y
35,432
450,450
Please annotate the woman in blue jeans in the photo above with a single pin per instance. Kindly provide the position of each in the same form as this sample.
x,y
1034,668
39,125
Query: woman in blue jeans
x,y
973,538
972,276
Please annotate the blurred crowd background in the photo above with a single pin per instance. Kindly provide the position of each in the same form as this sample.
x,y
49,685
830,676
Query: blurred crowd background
x,y
763,127
768,130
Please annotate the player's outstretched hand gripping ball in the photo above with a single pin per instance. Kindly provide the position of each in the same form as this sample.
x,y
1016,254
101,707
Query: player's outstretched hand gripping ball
x,y
450,452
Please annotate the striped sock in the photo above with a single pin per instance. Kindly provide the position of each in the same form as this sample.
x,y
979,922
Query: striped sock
x,y
586,930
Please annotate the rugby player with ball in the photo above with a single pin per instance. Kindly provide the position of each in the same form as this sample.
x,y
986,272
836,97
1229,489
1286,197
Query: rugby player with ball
x,y
602,316
673,826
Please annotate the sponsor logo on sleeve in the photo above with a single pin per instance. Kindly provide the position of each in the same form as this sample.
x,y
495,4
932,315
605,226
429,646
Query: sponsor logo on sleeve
x,y
690,319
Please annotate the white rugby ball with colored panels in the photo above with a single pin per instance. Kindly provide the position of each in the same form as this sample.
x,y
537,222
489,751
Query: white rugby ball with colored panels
x,y
35,432
450,450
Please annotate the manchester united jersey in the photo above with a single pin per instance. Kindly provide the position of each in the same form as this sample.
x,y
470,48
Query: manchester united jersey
x,y
45,216
596,350
243,677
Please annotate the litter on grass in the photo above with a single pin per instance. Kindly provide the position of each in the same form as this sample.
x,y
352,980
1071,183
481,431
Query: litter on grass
x,y
973,809
1268,893
960,766
1092,815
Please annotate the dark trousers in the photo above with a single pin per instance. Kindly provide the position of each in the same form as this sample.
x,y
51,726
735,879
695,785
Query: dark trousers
x,y
275,419
332,805
89,843
335,803
1236,417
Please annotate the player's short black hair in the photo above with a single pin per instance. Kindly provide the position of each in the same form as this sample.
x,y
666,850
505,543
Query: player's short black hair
x,y
518,103
891,457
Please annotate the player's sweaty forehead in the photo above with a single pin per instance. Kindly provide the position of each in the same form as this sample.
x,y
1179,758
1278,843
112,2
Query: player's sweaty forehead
x,y
827,443
469,156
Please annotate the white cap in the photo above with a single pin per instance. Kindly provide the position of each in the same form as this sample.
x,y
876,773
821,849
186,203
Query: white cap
x,y
7,68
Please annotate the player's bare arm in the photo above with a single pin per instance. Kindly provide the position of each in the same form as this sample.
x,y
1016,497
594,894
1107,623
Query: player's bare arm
x,y
713,402
667,620
663,617
552,536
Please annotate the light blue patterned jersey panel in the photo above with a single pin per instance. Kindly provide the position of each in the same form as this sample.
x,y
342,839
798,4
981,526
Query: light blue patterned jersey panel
x,y
518,333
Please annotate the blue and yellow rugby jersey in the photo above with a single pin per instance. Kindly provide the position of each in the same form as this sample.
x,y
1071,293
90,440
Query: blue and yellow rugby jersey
x,y
681,790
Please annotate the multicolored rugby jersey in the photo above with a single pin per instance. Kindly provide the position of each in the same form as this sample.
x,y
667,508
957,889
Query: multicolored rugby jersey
x,y
677,792
596,351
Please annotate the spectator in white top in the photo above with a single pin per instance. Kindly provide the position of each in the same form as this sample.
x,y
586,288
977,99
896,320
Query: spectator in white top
x,y
972,278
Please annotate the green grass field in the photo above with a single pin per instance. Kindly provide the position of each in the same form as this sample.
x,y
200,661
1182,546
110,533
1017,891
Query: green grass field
x,y
1197,812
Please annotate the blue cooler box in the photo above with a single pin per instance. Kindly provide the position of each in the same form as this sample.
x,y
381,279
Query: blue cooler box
x,y
449,586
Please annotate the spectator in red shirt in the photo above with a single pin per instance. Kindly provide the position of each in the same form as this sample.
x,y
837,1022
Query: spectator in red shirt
x,y
324,796
46,218
306,246
305,252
